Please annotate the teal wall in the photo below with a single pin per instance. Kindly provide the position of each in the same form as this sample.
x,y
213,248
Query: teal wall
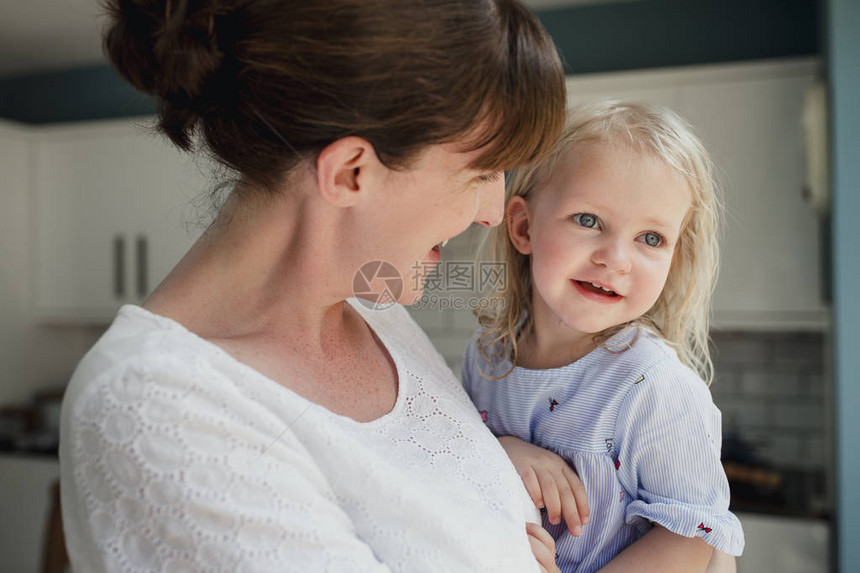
x,y
844,74
94,92
659,33
601,37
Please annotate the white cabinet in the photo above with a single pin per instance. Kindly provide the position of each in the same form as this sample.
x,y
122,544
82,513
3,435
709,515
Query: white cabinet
x,y
772,244
15,149
749,116
112,205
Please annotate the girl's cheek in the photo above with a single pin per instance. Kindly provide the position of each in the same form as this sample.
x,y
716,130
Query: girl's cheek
x,y
554,249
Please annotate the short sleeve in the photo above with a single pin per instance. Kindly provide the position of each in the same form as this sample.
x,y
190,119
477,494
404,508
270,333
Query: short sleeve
x,y
159,473
668,437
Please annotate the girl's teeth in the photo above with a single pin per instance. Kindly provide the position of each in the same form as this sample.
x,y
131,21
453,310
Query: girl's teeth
x,y
604,289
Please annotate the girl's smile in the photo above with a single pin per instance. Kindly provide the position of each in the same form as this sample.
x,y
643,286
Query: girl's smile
x,y
596,291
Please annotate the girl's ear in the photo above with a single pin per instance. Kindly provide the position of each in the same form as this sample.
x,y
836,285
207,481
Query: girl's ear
x,y
343,170
518,220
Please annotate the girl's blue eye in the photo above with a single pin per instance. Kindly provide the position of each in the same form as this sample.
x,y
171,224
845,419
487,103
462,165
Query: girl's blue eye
x,y
652,239
585,220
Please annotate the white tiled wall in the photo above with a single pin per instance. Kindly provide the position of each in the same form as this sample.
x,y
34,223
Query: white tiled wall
x,y
771,390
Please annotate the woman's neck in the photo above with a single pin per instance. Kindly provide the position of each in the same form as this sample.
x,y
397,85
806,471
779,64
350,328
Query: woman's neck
x,y
261,270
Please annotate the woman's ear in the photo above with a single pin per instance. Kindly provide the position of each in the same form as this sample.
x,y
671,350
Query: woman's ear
x,y
342,170
518,219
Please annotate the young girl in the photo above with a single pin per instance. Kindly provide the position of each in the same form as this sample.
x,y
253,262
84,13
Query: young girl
x,y
600,351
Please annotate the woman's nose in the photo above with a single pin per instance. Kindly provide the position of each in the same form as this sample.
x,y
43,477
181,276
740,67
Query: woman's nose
x,y
613,254
491,207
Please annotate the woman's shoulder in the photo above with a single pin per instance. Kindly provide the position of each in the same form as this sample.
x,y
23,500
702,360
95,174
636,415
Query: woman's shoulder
x,y
150,381
135,327
147,362
137,338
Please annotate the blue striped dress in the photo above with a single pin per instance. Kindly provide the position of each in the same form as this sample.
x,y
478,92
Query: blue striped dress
x,y
639,427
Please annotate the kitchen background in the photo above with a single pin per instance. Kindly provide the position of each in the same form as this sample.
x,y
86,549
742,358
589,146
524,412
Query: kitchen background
x,y
88,223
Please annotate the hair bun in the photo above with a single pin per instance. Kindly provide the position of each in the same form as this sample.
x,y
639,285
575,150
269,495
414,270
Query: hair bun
x,y
165,48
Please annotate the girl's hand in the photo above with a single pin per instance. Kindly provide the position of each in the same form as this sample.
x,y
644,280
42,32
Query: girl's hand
x,y
551,483
543,548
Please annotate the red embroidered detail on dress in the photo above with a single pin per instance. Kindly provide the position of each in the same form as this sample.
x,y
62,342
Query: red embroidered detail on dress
x,y
484,416
552,405
703,528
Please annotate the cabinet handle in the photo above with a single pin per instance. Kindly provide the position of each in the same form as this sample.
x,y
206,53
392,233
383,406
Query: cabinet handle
x,y
142,266
119,266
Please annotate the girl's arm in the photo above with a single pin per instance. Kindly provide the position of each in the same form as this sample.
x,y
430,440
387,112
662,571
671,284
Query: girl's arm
x,y
722,563
661,551
554,485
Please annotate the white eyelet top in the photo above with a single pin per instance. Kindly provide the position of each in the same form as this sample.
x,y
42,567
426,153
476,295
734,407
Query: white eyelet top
x,y
177,457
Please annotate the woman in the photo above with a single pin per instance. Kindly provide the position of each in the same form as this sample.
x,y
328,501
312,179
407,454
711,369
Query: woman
x,y
247,416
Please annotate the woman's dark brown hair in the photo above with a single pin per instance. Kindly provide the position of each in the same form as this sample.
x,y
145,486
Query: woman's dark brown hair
x,y
269,83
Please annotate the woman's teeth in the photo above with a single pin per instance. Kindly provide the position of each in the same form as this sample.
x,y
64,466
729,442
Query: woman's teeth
x,y
443,243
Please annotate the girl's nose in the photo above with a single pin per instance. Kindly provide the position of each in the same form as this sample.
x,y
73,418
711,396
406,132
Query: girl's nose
x,y
491,203
614,255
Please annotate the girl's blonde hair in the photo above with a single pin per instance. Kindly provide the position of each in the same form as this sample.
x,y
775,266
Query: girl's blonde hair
x,y
681,313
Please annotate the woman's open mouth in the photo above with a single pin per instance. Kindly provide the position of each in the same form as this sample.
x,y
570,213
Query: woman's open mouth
x,y
437,248
436,251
